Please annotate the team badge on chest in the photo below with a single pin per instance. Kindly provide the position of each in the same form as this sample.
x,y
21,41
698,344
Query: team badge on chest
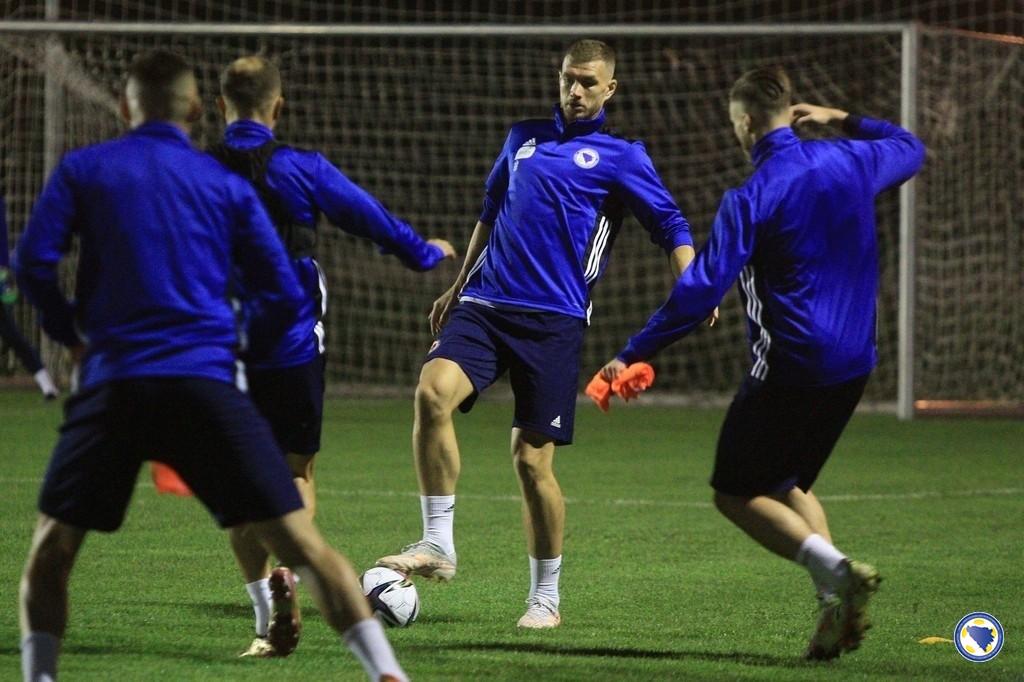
x,y
586,158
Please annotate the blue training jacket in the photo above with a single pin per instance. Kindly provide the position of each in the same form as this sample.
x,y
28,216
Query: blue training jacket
x,y
555,199
800,236
162,227
309,185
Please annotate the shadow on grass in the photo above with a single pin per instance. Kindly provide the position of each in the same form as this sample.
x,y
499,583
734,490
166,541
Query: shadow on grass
x,y
934,671
614,652
232,610
142,649
226,610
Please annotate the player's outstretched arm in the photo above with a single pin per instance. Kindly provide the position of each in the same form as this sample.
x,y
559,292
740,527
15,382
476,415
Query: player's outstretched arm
x,y
354,210
446,247
702,285
445,302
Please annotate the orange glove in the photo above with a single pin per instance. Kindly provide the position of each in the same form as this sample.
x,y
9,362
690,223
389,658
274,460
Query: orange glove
x,y
167,480
630,383
600,391
633,381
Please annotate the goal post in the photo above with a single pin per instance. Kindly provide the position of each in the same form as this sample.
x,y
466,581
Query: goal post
x,y
416,112
908,215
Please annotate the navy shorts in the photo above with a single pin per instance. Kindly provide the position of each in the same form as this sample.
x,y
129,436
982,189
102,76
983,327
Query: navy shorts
x,y
208,431
776,437
540,351
292,400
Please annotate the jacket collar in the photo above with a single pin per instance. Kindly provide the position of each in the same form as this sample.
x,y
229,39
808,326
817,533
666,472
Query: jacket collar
x,y
581,126
247,133
780,138
161,129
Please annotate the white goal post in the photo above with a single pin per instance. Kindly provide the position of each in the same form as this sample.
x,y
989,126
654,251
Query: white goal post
x,y
905,38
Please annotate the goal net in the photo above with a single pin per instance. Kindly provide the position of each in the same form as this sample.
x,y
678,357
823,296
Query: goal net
x,y
418,119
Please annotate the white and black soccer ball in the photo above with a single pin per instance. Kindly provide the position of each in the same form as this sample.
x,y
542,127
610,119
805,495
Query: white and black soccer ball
x,y
392,596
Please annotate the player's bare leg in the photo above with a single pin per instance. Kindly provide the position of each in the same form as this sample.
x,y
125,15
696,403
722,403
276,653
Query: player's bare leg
x,y
767,520
544,522
334,586
806,504
442,387
43,599
254,563
252,557
302,467
848,584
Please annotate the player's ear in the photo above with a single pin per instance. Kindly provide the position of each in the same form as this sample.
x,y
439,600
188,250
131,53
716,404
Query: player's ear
x,y
612,87
276,111
195,110
222,106
124,110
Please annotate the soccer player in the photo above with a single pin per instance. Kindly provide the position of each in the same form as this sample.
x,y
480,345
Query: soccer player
x,y
162,227
286,381
800,236
9,333
553,205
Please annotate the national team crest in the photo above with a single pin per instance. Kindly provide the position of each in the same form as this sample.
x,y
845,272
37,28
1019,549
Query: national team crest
x,y
978,637
586,158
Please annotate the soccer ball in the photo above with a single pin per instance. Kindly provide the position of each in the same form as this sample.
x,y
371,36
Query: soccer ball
x,y
392,596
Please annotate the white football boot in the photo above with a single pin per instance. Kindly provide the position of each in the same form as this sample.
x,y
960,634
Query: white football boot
x,y
540,614
422,558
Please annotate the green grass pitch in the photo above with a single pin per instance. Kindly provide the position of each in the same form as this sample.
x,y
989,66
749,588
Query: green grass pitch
x,y
656,584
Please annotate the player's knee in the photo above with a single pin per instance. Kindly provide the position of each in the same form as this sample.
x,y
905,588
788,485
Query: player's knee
x,y
532,465
433,399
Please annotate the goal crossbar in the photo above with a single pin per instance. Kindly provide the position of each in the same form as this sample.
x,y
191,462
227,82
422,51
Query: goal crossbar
x,y
440,30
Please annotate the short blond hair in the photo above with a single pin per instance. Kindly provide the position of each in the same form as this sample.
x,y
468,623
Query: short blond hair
x,y
250,84
589,50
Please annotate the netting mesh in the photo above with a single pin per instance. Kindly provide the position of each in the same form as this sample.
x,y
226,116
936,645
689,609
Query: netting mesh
x,y
996,16
418,121
970,240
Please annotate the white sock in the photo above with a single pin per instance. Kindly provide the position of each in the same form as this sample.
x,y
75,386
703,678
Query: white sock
x,y
544,574
259,593
366,639
823,561
438,520
39,657
45,382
